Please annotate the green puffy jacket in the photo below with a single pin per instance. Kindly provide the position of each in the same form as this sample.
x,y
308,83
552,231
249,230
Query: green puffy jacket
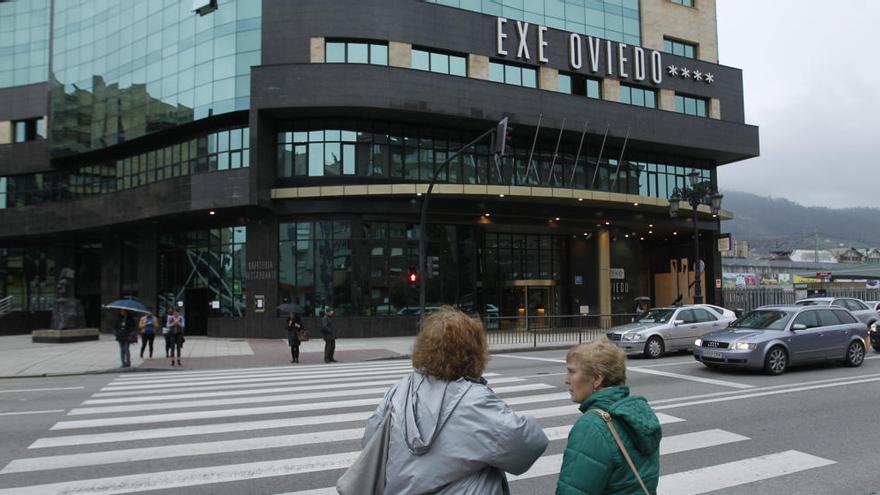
x,y
593,464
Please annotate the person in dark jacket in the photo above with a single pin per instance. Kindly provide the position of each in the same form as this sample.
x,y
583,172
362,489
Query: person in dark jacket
x,y
147,326
329,335
175,333
593,464
124,331
294,325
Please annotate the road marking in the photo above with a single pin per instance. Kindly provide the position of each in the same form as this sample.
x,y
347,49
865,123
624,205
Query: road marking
x,y
737,473
12,391
757,389
637,369
251,411
254,371
161,405
242,378
679,376
240,445
252,391
698,440
19,413
751,395
248,384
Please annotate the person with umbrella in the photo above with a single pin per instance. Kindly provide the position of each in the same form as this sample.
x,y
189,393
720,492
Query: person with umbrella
x,y
124,332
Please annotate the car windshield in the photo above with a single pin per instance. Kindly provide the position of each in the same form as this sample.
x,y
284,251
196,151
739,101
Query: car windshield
x,y
657,316
763,320
811,302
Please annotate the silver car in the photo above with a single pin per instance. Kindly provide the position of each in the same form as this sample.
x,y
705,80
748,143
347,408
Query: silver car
x,y
775,337
672,328
855,306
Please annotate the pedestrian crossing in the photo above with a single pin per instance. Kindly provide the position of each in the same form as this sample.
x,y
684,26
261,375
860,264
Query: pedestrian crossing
x,y
293,430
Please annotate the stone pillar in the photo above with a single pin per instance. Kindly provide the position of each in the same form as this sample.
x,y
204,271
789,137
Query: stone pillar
x,y
478,66
548,79
5,132
715,108
111,270
148,260
667,100
261,279
603,262
399,54
316,49
611,90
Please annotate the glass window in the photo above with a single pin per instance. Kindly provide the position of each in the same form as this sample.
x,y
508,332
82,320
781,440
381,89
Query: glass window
x,y
496,72
564,83
616,20
633,95
335,52
358,53
440,63
421,60
686,3
457,66
379,54
689,105
807,318
680,48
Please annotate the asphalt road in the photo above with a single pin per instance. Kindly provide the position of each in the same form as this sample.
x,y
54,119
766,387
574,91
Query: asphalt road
x,y
292,430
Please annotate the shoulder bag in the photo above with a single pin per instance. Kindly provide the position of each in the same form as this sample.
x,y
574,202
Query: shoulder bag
x,y
366,475
607,418
303,335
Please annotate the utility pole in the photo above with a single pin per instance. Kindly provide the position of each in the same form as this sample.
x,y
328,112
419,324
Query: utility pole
x,y
816,249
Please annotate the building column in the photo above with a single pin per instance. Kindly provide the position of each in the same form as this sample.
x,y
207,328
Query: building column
x,y
603,282
261,279
148,270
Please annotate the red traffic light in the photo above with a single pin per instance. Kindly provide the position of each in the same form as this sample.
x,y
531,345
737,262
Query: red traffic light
x,y
413,277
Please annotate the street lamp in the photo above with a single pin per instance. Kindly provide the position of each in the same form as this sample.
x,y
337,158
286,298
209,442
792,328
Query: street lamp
x,y
698,193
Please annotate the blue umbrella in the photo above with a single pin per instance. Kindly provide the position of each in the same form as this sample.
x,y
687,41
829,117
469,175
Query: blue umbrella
x,y
128,305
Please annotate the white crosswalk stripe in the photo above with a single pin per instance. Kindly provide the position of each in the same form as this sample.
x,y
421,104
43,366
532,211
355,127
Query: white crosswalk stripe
x,y
137,421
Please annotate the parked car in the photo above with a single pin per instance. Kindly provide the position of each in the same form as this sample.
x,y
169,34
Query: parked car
x,y
416,310
857,307
660,330
873,330
776,337
722,311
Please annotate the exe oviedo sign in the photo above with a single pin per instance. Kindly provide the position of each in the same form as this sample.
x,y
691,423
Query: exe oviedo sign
x,y
589,53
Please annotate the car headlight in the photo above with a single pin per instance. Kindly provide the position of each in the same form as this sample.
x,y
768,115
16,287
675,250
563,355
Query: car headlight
x,y
874,326
742,346
630,336
698,342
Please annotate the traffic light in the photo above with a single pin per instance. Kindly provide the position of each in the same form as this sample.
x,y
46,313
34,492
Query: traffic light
x,y
412,278
433,268
503,135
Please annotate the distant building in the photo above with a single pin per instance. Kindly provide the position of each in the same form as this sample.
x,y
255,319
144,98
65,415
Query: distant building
x,y
812,256
848,255
872,255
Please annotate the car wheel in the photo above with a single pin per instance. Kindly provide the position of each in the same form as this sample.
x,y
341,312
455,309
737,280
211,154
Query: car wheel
x,y
855,354
776,361
654,347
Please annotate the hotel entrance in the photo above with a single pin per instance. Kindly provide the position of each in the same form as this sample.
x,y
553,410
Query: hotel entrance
x,y
528,303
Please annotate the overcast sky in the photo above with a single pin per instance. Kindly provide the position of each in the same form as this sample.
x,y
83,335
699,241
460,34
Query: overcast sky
x,y
812,85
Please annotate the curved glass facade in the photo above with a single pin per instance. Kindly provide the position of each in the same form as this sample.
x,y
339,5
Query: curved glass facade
x,y
383,150
24,42
124,69
616,20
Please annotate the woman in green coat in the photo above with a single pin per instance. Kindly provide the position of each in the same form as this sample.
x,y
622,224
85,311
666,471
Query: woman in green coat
x,y
593,464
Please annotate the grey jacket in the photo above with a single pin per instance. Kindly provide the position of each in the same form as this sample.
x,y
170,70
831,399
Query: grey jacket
x,y
453,438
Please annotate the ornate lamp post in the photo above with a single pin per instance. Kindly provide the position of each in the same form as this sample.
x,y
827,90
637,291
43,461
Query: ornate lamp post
x,y
698,193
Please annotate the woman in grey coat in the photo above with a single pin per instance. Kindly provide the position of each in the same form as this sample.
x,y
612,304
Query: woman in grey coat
x,y
450,433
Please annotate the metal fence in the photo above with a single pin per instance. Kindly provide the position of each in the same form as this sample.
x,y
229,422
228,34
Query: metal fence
x,y
536,330
749,299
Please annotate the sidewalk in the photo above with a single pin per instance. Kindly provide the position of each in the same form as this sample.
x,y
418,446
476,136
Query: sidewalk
x,y
19,357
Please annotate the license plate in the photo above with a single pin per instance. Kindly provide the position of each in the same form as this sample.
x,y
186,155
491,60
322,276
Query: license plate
x,y
712,354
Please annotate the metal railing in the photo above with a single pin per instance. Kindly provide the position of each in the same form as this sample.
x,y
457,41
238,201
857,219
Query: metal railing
x,y
560,329
749,299
5,305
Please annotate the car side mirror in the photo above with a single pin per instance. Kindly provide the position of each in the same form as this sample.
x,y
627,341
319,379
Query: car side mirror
x,y
798,326
679,322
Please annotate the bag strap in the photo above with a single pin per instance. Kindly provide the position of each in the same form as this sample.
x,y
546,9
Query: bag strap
x,y
607,418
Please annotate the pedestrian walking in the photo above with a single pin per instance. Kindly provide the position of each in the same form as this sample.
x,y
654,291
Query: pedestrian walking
x,y
329,335
147,327
294,327
175,334
124,332
166,329
449,432
614,447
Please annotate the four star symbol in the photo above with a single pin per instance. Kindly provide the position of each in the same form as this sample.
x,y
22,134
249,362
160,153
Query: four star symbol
x,y
686,73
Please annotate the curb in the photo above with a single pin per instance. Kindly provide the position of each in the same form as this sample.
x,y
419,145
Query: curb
x,y
499,351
